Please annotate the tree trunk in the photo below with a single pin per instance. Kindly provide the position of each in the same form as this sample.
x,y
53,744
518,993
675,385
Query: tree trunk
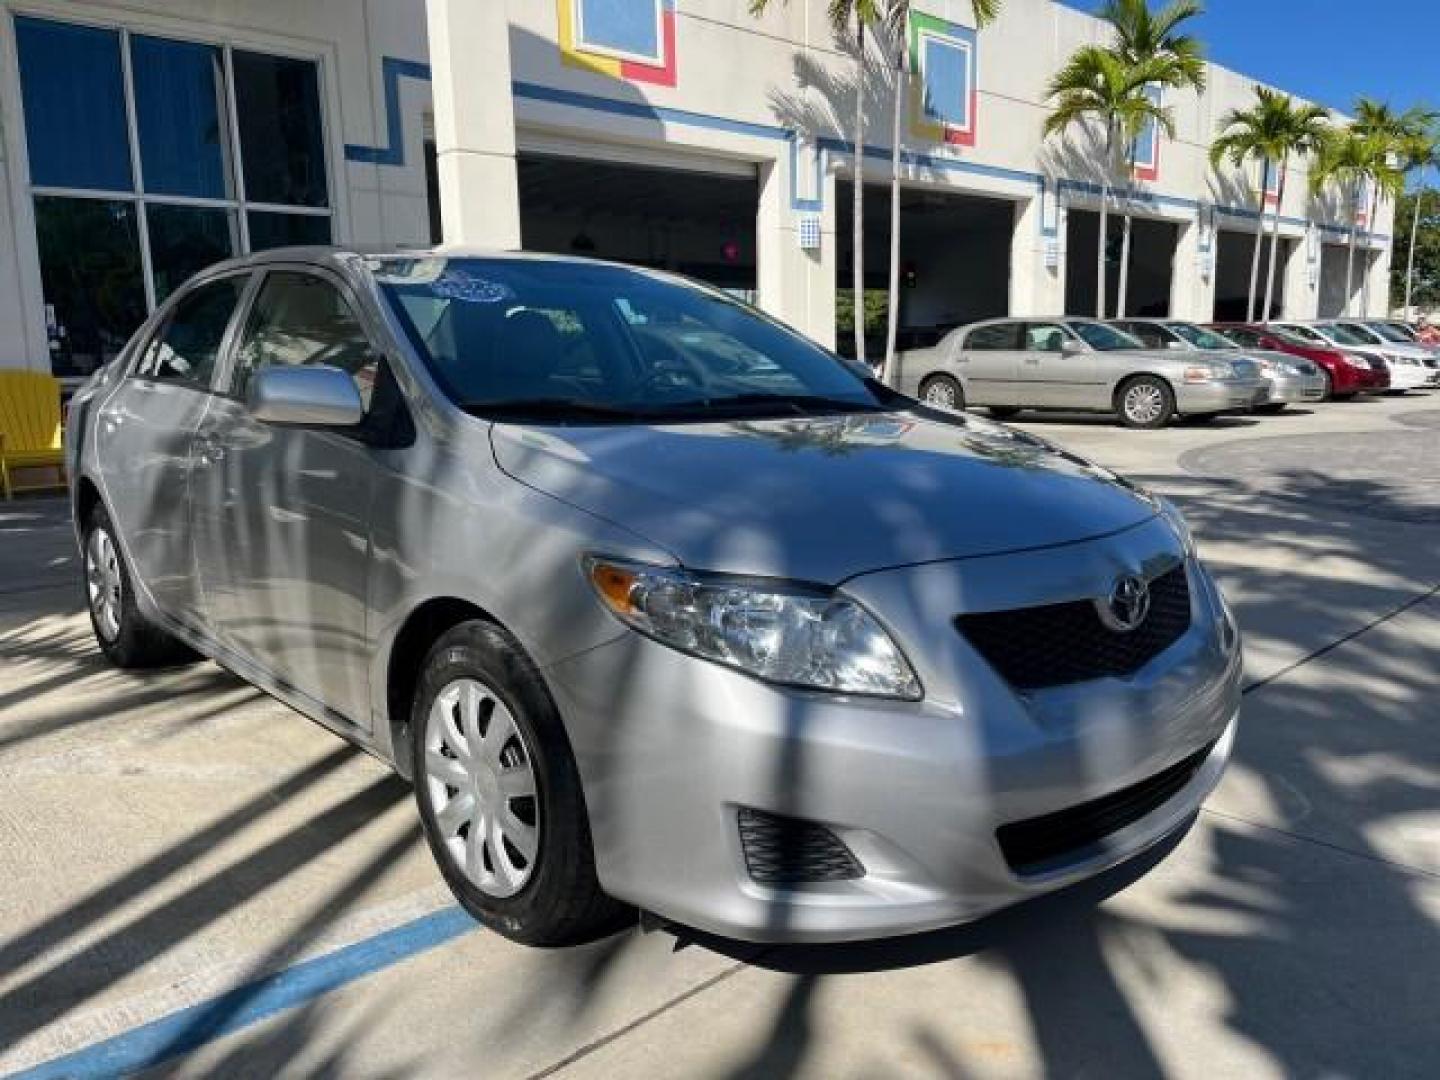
x,y
1122,292
858,240
1266,314
1410,259
1255,258
1350,250
892,329
1104,221
1369,231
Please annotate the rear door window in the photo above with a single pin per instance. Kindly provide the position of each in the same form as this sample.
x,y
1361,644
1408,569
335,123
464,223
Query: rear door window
x,y
995,336
187,348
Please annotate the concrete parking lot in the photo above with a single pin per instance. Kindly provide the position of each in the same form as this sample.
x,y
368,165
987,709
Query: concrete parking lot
x,y
197,881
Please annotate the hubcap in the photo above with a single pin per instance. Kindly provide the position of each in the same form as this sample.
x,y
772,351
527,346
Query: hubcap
x,y
103,583
1144,403
940,393
480,779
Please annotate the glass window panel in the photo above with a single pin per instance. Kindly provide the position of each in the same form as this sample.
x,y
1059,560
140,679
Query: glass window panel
x,y
282,145
74,99
187,349
301,319
185,240
179,111
268,230
90,273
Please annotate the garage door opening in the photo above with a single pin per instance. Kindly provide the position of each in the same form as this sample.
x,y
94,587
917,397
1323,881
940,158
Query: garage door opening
x,y
693,222
1234,257
1152,264
1333,298
954,259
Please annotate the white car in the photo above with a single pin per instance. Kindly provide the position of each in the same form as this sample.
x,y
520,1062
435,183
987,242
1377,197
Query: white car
x,y
1406,365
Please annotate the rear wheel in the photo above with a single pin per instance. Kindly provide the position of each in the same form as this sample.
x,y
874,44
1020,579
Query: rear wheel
x,y
499,793
1145,402
127,637
942,391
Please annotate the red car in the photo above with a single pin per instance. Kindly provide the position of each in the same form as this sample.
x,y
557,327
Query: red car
x,y
1346,373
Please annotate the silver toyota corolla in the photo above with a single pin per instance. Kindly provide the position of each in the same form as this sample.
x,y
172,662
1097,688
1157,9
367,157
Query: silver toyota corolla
x,y
657,602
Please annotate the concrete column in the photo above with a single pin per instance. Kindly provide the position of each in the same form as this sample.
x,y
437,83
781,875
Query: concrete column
x,y
1379,269
1035,288
474,122
796,285
1302,282
1192,278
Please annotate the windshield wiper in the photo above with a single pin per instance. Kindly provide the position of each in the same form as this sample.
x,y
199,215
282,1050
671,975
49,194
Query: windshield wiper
x,y
803,404
542,409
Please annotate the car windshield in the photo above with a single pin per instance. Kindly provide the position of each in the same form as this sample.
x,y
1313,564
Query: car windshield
x,y
1346,334
1200,337
552,341
1304,333
1389,333
1104,338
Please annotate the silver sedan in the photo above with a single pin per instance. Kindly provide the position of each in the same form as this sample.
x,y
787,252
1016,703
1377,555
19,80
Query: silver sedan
x,y
656,602
1292,379
1077,364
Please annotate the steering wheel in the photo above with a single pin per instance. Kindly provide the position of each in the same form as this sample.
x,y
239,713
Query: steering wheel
x,y
671,370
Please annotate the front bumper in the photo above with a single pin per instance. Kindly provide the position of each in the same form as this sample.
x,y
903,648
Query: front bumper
x,y
1221,395
671,749
1296,388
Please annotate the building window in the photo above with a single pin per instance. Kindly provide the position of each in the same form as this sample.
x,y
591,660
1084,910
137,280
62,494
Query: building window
x,y
150,159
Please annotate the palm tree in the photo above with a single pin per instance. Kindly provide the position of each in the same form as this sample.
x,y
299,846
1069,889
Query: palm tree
x,y
1273,129
1420,152
1354,160
847,16
1141,36
1098,86
897,24
1402,133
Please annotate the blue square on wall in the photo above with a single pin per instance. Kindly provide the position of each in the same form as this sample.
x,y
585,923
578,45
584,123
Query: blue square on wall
x,y
629,27
947,81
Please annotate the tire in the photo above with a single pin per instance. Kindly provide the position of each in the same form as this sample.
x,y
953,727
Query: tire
x,y
127,637
1272,408
532,875
1004,412
942,391
1145,402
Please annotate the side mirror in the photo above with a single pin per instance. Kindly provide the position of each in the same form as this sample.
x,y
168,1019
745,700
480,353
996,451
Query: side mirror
x,y
1071,347
317,396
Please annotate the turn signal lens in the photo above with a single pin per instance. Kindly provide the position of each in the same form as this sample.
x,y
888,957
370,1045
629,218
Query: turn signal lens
x,y
615,584
1198,374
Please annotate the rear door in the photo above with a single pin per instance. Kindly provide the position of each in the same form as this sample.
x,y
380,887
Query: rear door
x,y
144,434
283,514
1053,378
989,360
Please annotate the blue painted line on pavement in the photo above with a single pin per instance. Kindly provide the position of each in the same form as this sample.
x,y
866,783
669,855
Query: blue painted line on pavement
x,y
193,1026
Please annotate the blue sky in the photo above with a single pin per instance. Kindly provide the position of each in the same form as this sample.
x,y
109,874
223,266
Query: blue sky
x,y
1326,50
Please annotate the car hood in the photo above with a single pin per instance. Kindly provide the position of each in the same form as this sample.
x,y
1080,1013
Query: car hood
x,y
822,499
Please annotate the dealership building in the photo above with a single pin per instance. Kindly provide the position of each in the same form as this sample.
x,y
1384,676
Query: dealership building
x,y
143,140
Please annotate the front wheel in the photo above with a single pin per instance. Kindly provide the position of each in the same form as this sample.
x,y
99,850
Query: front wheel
x,y
499,794
942,391
1145,402
127,637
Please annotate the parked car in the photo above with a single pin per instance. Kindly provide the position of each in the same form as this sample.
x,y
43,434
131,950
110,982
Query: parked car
x,y
1429,355
1077,364
1407,362
653,598
1347,373
1336,336
1291,378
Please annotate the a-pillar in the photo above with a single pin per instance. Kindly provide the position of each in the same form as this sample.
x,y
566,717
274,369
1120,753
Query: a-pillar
x,y
795,244
474,122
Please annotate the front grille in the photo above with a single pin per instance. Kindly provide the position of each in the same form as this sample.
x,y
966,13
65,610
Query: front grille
x,y
1059,644
786,851
1037,844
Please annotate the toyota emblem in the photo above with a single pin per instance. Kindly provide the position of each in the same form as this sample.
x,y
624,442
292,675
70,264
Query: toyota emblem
x,y
1126,606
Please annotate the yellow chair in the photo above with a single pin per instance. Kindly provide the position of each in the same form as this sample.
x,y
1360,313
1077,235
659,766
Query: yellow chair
x,y
29,428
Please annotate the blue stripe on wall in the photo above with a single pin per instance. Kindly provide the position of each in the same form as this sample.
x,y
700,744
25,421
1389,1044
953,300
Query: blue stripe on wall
x,y
394,152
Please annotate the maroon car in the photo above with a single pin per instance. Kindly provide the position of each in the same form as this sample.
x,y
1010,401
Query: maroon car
x,y
1346,373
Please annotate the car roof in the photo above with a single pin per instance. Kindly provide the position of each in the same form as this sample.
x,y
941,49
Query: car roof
x,y
340,256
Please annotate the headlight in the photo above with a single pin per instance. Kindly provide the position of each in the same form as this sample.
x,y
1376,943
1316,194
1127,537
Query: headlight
x,y
1171,513
776,632
1199,373
1357,362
